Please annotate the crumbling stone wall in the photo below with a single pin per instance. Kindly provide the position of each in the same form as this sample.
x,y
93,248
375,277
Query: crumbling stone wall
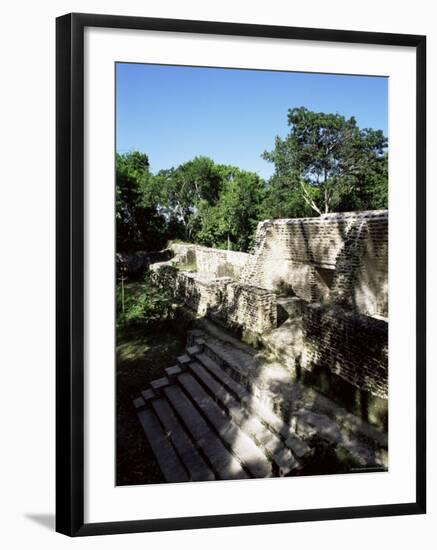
x,y
232,304
350,345
249,308
200,294
184,253
213,262
334,258
210,262
361,274
336,263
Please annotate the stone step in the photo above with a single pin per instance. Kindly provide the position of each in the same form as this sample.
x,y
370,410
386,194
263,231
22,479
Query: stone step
x,y
194,463
183,360
282,393
241,445
236,388
139,402
304,425
233,361
158,384
297,428
172,372
250,424
200,342
193,335
223,463
219,393
168,461
269,418
193,350
148,395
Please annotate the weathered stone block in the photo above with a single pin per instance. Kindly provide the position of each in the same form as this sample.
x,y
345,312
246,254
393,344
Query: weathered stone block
x,y
334,258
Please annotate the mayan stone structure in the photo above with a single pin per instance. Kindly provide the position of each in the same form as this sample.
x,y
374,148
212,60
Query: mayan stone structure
x,y
328,276
232,304
334,258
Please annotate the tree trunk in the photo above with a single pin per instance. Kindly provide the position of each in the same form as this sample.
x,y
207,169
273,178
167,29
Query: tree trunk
x,y
326,201
308,199
326,190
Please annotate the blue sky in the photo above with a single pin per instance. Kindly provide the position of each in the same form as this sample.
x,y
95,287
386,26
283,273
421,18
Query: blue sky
x,y
230,115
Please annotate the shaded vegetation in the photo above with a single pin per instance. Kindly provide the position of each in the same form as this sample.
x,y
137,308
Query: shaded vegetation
x,y
143,352
142,304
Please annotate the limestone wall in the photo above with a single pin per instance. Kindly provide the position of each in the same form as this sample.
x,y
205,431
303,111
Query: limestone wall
x,y
335,258
210,262
336,263
184,253
230,303
350,345
361,274
213,262
249,308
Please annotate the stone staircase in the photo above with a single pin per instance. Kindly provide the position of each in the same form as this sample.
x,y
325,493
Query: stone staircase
x,y
202,424
211,417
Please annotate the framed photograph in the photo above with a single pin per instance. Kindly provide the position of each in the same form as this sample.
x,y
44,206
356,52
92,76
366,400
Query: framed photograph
x,y
240,274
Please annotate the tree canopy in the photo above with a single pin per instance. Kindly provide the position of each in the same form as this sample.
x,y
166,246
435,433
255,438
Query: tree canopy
x,y
232,220
330,162
184,188
140,225
325,163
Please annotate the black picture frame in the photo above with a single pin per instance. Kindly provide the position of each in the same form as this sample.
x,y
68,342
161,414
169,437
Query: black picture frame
x,y
70,273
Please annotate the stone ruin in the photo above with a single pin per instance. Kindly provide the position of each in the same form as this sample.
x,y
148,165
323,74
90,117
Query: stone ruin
x,y
330,271
312,295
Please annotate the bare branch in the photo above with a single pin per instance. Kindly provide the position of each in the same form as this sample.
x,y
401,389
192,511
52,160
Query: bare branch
x,y
307,198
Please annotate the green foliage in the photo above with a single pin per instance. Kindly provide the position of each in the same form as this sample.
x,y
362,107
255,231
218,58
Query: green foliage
x,y
284,200
184,188
241,207
143,304
330,162
368,190
325,163
211,204
232,221
140,225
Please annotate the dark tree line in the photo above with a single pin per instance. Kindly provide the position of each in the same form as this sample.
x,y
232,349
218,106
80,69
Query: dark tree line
x,y
326,163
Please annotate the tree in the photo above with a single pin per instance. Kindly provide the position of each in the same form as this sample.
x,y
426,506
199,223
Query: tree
x,y
185,187
231,222
136,164
139,223
368,190
240,208
325,157
283,199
